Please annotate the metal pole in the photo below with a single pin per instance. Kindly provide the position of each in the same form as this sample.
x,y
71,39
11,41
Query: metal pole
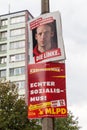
x,y
47,123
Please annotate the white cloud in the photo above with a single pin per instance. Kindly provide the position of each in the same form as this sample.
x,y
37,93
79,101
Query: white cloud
x,y
80,110
76,71
16,5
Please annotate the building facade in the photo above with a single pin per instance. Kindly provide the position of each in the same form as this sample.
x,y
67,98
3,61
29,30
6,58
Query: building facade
x,y
14,46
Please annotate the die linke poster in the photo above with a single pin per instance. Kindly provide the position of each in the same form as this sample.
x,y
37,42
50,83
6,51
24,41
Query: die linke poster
x,y
47,90
45,38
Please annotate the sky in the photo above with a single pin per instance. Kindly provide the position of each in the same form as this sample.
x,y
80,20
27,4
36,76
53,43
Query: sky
x,y
74,28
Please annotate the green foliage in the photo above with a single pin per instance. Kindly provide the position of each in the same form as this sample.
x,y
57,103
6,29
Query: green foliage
x,y
69,123
13,111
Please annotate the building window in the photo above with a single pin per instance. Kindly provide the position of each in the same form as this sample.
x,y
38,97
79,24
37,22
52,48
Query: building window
x,y
3,47
3,60
16,32
4,22
18,57
20,84
17,44
17,71
2,73
18,19
4,35
29,18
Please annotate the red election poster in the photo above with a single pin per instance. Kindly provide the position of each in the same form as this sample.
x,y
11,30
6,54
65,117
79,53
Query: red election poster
x,y
47,90
45,38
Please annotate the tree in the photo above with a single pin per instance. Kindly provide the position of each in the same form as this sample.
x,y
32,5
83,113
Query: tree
x,y
13,110
13,113
69,123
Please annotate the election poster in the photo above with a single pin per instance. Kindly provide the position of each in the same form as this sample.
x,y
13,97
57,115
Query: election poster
x,y
47,90
45,38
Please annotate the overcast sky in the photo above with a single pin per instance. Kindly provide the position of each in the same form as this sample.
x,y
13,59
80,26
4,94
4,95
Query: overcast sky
x,y
74,27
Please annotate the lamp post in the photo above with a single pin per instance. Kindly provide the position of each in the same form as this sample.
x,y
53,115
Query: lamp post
x,y
45,6
47,123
